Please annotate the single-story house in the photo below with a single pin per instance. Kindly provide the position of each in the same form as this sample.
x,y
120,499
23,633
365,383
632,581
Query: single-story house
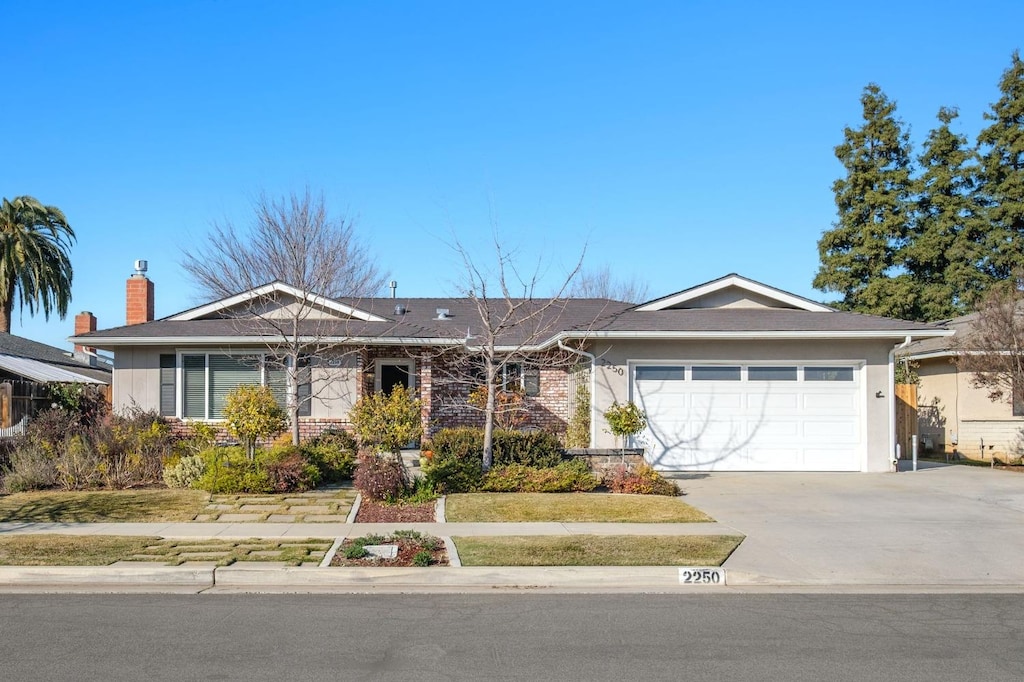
x,y
953,415
732,374
26,366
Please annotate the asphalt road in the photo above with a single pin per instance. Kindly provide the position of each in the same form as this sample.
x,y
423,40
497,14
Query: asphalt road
x,y
511,637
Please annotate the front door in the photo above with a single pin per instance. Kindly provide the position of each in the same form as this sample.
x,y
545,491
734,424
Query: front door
x,y
391,373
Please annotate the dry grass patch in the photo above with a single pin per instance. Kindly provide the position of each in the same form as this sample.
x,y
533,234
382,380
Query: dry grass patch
x,y
596,550
91,506
569,508
69,550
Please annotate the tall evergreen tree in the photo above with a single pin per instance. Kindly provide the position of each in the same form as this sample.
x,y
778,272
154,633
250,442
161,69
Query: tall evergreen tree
x,y
1001,150
860,255
945,251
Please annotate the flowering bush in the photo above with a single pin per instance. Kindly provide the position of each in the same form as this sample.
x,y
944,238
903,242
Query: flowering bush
x,y
643,480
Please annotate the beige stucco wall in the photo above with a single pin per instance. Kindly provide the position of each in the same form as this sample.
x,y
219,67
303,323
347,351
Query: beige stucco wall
x,y
957,415
611,376
137,377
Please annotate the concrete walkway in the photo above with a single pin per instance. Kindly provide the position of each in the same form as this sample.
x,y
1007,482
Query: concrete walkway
x,y
335,530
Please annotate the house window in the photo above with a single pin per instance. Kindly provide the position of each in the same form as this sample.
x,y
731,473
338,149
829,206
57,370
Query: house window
x,y
757,373
716,373
660,373
168,385
208,379
828,373
517,376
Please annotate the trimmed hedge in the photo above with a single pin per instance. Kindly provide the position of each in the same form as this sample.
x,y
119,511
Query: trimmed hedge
x,y
570,476
457,463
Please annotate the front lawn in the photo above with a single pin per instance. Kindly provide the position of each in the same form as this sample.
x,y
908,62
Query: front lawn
x,y
102,550
92,506
596,550
569,508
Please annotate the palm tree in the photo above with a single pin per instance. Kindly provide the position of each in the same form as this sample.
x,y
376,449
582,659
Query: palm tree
x,y
35,263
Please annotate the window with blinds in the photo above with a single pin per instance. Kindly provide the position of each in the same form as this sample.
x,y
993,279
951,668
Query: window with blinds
x,y
226,373
207,379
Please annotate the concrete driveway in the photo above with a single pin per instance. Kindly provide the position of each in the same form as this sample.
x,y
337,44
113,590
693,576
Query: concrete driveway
x,y
943,525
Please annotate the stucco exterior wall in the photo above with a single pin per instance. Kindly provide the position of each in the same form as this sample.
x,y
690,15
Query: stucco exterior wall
x,y
958,416
611,376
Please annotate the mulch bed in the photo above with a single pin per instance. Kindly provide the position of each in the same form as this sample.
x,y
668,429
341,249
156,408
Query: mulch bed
x,y
407,549
371,511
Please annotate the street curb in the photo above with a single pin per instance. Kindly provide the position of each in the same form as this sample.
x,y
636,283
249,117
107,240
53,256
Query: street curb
x,y
351,518
156,576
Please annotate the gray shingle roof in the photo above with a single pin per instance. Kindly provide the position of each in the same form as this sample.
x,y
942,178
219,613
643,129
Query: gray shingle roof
x,y
573,316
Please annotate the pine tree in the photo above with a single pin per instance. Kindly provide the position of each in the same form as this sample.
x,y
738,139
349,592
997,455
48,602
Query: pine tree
x,y
860,255
945,250
1001,150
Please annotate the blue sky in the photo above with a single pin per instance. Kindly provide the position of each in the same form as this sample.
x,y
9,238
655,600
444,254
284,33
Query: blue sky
x,y
679,140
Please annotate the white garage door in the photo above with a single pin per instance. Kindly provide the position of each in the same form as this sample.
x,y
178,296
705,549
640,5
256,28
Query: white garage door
x,y
746,417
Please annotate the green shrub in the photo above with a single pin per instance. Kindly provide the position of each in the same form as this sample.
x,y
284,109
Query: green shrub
x,y
455,471
30,467
565,477
184,472
422,558
577,435
642,480
334,454
229,470
387,421
625,420
530,448
288,469
252,413
381,477
201,436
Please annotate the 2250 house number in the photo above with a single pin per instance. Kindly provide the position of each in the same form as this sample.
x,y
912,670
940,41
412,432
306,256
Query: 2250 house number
x,y
702,576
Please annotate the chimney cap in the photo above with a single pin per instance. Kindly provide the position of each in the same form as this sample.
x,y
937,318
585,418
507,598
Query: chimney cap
x,y
141,266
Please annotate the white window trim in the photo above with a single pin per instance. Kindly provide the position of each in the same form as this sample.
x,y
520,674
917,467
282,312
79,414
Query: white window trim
x,y
179,378
409,364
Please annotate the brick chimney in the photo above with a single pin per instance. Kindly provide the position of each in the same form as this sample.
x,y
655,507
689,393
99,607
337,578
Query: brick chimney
x,y
139,300
85,322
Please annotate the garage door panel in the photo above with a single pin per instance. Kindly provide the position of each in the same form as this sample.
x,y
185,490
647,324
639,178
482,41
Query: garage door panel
x,y
773,402
718,401
743,425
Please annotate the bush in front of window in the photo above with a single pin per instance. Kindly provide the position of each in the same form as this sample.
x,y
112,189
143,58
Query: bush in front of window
x,y
252,413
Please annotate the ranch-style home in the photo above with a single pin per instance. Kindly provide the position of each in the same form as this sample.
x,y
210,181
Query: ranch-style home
x,y
732,374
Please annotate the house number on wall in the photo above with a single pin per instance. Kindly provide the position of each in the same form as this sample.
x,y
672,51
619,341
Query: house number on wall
x,y
612,366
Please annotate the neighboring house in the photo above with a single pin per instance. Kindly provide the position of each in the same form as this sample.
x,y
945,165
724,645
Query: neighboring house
x,y
26,366
953,415
733,374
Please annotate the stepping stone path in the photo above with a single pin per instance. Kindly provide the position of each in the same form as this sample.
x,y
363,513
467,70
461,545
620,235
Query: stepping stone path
x,y
329,505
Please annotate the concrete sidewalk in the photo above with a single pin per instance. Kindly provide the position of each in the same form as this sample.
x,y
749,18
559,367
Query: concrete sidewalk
x,y
336,530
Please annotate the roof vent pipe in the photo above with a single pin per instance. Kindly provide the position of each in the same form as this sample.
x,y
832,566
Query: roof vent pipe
x,y
442,314
399,309
394,288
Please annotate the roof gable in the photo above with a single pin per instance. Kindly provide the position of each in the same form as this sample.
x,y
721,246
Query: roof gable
x,y
733,291
269,299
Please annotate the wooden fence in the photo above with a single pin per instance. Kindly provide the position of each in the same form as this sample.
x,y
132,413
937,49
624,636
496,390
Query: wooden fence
x,y
906,418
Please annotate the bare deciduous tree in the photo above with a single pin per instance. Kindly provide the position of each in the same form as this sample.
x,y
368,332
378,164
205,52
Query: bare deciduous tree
x,y
293,239
993,350
318,259
508,323
599,283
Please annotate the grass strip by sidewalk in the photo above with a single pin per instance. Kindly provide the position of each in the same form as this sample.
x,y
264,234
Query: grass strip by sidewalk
x,y
596,550
569,508
102,550
93,506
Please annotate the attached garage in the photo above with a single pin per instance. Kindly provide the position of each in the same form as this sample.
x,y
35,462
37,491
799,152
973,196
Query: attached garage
x,y
751,416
